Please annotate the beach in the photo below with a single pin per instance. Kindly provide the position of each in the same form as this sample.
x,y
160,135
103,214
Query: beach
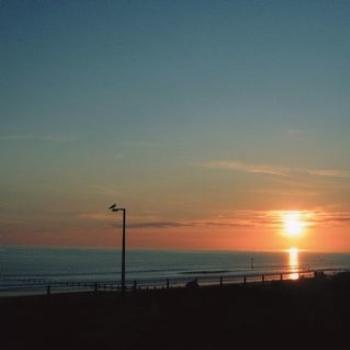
x,y
302,314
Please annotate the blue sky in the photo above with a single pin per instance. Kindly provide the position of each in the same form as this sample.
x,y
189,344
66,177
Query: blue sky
x,y
183,103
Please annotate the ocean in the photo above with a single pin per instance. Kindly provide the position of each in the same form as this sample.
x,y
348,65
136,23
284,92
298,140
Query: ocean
x,y
26,270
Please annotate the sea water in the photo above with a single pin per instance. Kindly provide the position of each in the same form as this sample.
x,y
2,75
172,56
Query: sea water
x,y
19,265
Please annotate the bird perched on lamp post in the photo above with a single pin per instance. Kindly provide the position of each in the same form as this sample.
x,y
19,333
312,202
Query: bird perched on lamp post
x,y
114,208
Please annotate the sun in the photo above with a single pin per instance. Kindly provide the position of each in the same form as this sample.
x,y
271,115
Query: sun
x,y
293,224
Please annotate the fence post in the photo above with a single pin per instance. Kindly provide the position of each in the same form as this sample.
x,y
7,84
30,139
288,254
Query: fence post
x,y
221,281
281,277
167,283
263,278
48,290
135,286
96,287
244,279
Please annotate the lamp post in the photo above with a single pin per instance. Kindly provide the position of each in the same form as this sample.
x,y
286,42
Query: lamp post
x,y
114,208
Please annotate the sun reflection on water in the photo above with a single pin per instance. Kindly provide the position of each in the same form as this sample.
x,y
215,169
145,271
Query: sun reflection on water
x,y
293,263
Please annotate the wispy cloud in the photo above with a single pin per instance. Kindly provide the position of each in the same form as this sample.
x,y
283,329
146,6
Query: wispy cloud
x,y
287,192
175,224
160,224
332,218
238,219
266,169
327,172
246,167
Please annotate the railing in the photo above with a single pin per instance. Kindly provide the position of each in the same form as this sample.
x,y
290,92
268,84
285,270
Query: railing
x,y
43,286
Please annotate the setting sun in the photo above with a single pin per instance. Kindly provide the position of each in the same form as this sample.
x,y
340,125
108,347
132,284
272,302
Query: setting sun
x,y
293,223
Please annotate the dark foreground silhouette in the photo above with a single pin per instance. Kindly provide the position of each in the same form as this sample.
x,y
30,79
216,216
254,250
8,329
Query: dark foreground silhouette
x,y
306,314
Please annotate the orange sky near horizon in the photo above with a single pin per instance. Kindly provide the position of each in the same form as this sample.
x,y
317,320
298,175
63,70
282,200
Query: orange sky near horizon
x,y
245,231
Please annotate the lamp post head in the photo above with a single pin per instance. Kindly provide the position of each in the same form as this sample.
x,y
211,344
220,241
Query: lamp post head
x,y
114,208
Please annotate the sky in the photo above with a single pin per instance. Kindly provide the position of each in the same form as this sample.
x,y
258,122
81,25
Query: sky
x,y
207,120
